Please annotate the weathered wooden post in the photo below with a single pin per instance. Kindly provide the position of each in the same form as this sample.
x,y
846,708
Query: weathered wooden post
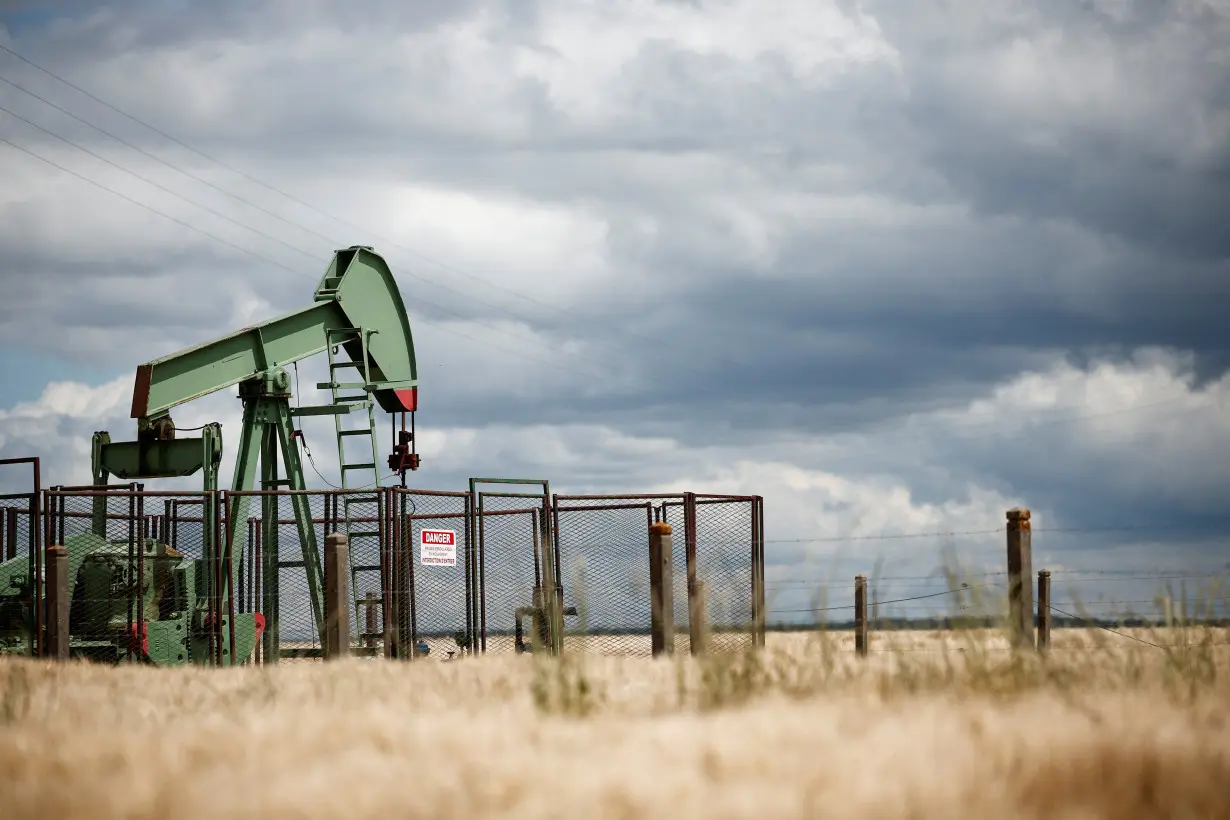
x,y
1020,570
1044,611
369,622
860,615
337,608
57,603
661,588
698,606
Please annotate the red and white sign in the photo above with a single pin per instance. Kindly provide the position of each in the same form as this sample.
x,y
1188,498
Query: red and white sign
x,y
438,548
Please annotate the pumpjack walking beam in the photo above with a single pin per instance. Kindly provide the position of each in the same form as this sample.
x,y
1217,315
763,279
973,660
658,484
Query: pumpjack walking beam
x,y
358,309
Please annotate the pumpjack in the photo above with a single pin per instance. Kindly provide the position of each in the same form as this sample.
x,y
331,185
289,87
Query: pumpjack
x,y
359,319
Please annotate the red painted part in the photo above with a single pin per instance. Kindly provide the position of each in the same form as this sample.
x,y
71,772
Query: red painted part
x,y
260,623
132,639
408,399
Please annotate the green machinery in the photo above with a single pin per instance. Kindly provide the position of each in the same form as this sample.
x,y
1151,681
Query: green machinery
x,y
359,319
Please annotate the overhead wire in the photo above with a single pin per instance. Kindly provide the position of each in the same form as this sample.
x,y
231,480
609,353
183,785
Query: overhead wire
x,y
472,320
484,282
263,258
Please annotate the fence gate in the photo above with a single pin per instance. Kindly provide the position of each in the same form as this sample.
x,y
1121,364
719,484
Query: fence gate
x,y
431,563
520,596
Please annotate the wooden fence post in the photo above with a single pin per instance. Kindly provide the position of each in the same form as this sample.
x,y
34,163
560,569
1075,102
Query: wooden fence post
x,y
699,618
369,621
1044,611
57,603
1020,570
860,615
337,608
661,588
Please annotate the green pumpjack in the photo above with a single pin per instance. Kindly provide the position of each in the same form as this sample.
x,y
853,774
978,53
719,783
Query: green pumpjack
x,y
357,309
103,610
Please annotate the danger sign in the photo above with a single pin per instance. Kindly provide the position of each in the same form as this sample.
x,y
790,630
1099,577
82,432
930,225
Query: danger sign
x,y
438,548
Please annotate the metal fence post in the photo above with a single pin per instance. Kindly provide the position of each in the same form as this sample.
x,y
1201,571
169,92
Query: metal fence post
x,y
1020,570
1044,610
337,609
695,628
662,588
57,603
860,615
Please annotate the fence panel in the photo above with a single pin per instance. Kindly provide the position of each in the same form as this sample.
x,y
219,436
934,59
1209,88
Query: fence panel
x,y
603,549
433,598
123,546
508,526
724,563
20,537
278,542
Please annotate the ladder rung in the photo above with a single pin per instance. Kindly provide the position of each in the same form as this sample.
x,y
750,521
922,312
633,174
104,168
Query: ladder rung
x,y
320,410
363,398
360,499
363,533
341,331
340,365
365,568
366,432
370,465
290,564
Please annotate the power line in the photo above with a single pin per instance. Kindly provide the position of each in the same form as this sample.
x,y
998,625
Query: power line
x,y
964,587
486,283
264,258
146,207
453,269
159,186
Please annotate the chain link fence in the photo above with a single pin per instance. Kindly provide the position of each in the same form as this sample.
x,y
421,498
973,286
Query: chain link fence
x,y
432,573
20,545
131,597
603,548
718,563
511,576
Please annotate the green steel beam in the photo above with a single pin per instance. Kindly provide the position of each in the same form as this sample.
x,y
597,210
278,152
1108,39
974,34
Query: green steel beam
x,y
225,362
357,291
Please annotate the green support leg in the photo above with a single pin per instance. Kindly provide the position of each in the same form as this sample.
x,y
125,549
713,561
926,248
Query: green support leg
x,y
98,521
303,516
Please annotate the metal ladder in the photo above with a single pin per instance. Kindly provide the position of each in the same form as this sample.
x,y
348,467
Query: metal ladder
x,y
364,537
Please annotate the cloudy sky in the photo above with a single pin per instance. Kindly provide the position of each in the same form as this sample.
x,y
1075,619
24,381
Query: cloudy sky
x,y
895,269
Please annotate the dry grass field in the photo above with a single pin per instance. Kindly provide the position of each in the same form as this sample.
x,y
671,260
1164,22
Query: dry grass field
x,y
929,725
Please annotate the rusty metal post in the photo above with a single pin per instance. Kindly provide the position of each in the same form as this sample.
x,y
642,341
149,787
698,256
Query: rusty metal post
x,y
860,615
1020,570
369,627
695,626
10,534
337,609
56,646
1044,611
661,589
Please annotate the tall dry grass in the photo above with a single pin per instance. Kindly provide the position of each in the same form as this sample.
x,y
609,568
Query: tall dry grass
x,y
944,725
1125,724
